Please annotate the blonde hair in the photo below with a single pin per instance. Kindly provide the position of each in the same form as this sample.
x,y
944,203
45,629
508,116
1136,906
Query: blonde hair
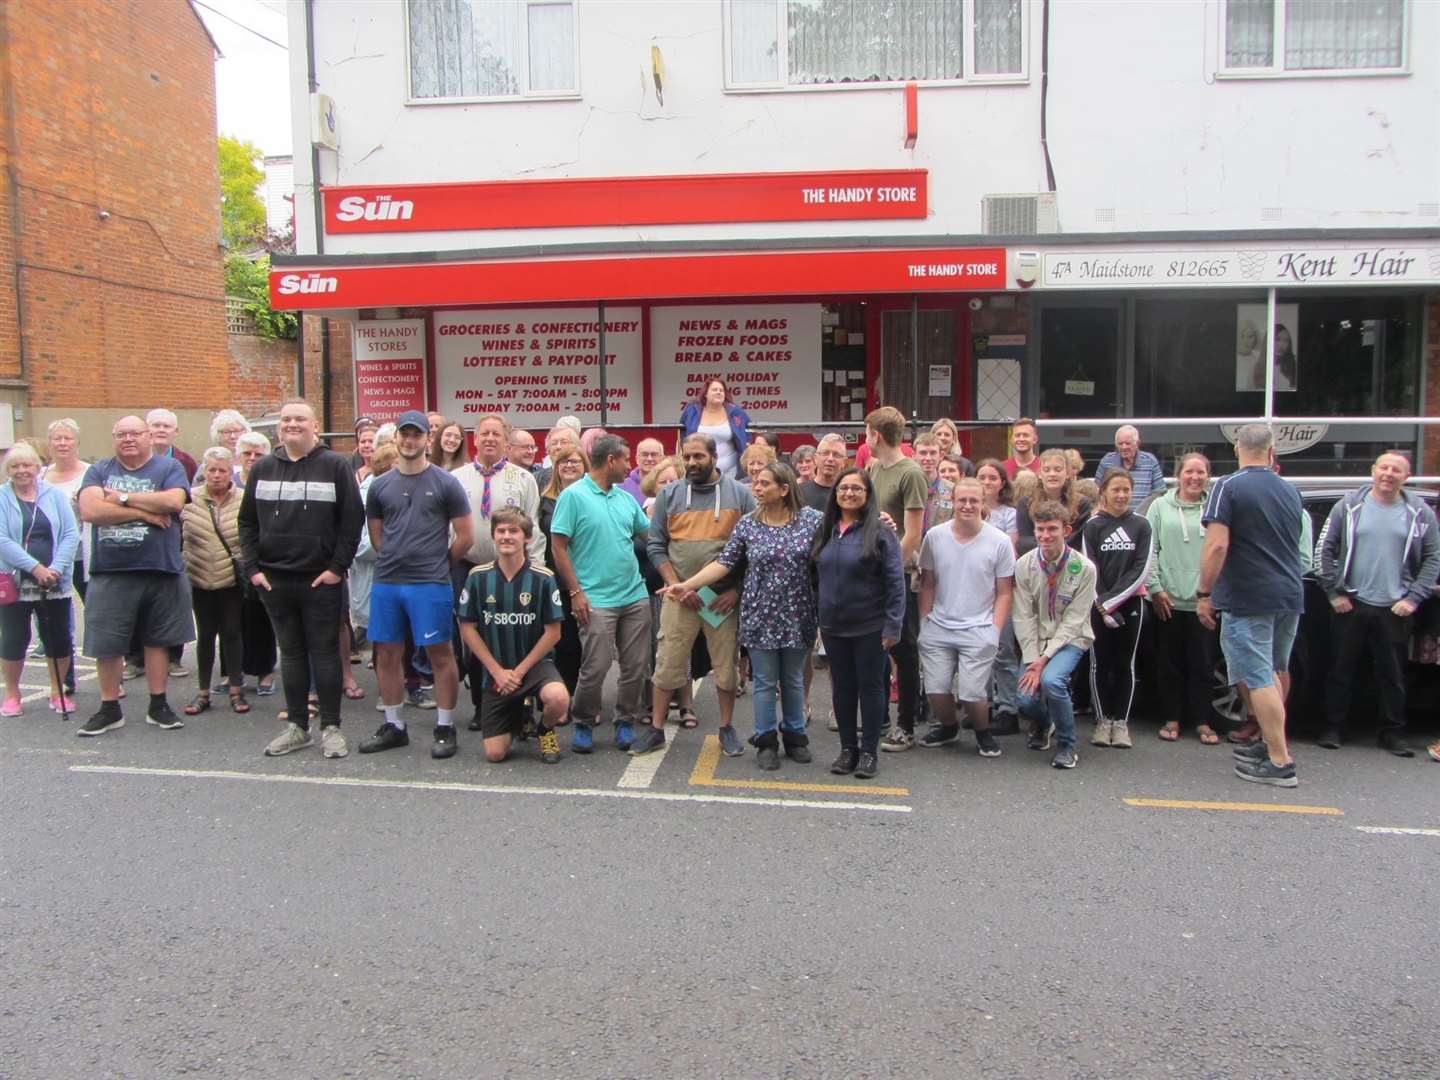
x,y
384,457
764,454
1026,485
564,454
650,486
1069,495
21,451
64,423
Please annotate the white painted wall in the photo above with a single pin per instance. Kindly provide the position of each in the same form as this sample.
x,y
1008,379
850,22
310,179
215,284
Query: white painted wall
x,y
1138,126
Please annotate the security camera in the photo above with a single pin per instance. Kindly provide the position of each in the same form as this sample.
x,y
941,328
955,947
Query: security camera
x,y
976,303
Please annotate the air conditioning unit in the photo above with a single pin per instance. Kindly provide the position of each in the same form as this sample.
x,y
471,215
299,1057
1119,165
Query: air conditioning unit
x,y
1020,215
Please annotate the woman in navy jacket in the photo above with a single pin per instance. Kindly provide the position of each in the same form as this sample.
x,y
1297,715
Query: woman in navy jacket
x,y
717,416
862,604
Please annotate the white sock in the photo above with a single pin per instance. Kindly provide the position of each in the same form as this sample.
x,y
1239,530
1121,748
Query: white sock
x,y
444,717
392,716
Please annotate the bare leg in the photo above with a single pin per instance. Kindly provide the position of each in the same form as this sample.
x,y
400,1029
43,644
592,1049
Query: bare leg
x,y
979,713
1269,708
110,669
12,679
942,708
58,667
347,679
390,671
727,706
446,671
157,668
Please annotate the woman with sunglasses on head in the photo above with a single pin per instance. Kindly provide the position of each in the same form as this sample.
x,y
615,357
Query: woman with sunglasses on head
x,y
862,604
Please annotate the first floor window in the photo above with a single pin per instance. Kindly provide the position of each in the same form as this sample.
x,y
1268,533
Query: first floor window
x,y
1314,35
464,49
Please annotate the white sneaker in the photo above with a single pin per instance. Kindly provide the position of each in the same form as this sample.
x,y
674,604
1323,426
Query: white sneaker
x,y
293,738
832,723
1103,733
897,740
332,743
1120,735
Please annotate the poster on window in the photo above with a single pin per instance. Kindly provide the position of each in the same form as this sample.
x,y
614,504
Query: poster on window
x,y
767,354
1250,347
535,365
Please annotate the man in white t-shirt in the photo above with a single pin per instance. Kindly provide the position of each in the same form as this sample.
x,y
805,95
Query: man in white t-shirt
x,y
967,584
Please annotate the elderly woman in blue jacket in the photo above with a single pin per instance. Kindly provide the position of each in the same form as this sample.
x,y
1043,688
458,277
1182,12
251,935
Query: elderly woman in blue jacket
x,y
38,540
714,414
862,603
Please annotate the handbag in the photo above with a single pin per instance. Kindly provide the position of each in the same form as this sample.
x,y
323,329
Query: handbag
x,y
246,588
9,589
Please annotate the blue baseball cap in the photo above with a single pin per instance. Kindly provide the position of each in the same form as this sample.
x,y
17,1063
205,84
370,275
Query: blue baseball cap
x,y
413,418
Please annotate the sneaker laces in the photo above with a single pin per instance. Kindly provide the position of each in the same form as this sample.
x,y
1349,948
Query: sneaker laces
x,y
550,743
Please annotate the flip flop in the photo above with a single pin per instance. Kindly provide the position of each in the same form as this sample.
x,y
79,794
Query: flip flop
x,y
1170,732
354,693
1206,734
688,718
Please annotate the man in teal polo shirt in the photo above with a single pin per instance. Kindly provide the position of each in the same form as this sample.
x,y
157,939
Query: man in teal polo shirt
x,y
593,534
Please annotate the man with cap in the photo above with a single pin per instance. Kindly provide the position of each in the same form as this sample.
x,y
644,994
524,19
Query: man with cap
x,y
411,511
299,525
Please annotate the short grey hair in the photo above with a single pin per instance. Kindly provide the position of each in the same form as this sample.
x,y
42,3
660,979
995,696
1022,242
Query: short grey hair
x,y
227,418
254,439
1254,438
217,453
63,424
1131,428
834,437
572,422
385,433
164,415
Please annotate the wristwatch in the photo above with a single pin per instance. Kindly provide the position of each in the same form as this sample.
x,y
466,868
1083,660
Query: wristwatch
x,y
1202,596
124,498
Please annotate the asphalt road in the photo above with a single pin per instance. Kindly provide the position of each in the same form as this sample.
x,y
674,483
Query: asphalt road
x,y
231,915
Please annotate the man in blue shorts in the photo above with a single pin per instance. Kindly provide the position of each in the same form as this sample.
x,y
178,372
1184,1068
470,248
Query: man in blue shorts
x,y
412,510
510,619
1252,562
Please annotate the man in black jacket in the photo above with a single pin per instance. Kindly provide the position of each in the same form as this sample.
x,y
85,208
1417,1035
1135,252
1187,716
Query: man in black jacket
x,y
300,523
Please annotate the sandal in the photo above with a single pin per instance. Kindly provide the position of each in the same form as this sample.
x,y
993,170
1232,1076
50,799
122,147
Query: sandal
x,y
200,704
1170,731
1206,734
355,692
238,702
688,719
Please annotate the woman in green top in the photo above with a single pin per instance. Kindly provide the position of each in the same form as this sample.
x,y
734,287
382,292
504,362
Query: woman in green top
x,y
1186,652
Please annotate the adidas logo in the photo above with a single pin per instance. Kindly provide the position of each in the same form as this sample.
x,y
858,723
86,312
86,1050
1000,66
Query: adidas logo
x,y
1119,540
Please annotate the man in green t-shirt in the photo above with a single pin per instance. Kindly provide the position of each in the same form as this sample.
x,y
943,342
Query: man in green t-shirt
x,y
510,619
900,491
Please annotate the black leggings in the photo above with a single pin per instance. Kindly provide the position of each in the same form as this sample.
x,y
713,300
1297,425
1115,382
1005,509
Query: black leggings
x,y
859,681
218,612
54,619
1112,668
1185,654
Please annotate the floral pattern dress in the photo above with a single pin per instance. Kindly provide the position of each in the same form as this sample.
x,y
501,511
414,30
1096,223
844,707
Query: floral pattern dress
x,y
778,609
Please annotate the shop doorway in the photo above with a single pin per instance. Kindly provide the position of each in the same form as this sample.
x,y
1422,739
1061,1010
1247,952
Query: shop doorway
x,y
1080,360
936,384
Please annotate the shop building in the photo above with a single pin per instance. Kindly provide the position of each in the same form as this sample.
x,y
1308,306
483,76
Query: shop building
x,y
1184,214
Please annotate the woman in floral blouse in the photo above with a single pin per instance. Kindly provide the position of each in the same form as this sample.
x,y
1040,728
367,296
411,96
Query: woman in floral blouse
x,y
778,611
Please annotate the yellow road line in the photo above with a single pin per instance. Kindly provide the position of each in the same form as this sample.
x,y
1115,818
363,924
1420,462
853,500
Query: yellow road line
x,y
1264,808
704,776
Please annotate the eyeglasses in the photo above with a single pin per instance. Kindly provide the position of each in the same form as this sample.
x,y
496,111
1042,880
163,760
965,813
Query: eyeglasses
x,y
124,436
849,489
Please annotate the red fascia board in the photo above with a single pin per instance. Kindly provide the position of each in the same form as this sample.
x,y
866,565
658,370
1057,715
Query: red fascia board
x,y
639,278
574,202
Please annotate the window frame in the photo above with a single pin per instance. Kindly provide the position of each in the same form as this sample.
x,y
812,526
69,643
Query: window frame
x,y
782,39
522,67
1277,68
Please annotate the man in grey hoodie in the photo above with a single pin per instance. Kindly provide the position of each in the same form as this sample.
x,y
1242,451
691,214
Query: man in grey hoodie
x,y
1379,558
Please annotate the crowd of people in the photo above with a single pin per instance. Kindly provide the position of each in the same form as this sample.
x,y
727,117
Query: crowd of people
x,y
984,594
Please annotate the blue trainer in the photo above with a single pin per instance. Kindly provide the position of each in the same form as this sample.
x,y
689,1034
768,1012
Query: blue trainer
x,y
583,741
624,734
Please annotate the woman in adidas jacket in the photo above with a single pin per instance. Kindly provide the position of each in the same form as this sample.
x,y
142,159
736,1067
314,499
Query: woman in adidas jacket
x,y
1117,541
1185,650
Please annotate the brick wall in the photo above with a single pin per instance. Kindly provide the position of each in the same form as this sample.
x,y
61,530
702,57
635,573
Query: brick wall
x,y
114,113
262,373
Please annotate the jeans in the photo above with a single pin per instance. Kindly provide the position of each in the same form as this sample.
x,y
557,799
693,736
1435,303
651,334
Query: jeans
x,y
307,628
859,677
1006,673
1052,701
785,667
612,632
1382,634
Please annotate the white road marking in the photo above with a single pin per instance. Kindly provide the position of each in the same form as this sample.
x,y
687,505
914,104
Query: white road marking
x,y
640,773
489,789
1396,831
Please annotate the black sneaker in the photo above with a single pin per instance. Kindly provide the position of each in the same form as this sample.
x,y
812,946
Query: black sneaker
x,y
387,737
1267,772
101,722
648,740
1004,722
986,744
845,764
867,767
1394,742
445,743
1255,751
768,758
1039,737
475,724
730,742
1065,757
162,716
1329,739
939,736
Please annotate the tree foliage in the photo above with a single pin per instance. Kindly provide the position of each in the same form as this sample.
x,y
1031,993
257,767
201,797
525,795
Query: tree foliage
x,y
249,280
242,212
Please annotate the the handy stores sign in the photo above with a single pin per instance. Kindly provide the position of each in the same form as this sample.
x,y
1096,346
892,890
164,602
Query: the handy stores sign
x,y
1278,267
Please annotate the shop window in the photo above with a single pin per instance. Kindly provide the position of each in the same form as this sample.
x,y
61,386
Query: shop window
x,y
1298,36
1335,356
477,50
1080,361
772,44
843,386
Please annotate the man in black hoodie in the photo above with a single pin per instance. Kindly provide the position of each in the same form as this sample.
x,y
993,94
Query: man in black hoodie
x,y
300,523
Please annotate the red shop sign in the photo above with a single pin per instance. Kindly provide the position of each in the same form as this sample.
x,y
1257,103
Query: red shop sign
x,y
628,200
644,277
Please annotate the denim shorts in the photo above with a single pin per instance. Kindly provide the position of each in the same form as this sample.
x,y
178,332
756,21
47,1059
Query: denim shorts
x,y
1257,646
427,607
